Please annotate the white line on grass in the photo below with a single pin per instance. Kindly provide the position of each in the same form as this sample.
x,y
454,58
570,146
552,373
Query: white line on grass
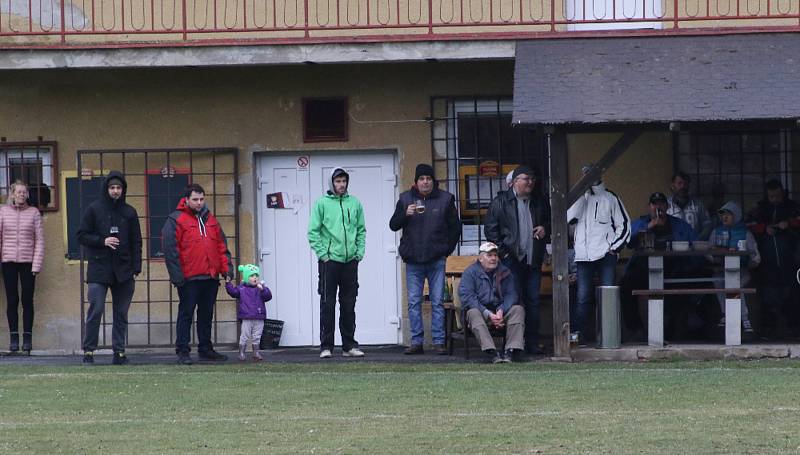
x,y
488,370
705,413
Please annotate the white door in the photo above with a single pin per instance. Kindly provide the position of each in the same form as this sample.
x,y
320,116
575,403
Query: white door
x,y
289,266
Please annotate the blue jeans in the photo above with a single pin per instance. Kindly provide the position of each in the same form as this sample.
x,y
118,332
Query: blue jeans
x,y
415,279
529,280
606,269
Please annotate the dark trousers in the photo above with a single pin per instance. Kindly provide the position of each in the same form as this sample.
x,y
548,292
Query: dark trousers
x,y
344,276
200,294
528,280
15,274
121,295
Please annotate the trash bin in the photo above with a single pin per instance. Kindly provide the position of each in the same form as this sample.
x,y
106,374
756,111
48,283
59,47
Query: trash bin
x,y
271,337
609,328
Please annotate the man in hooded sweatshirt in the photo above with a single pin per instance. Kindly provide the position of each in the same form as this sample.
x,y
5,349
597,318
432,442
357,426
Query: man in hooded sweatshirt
x,y
196,255
112,241
430,233
337,235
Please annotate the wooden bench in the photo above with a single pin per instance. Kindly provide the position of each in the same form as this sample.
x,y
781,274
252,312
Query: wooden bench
x,y
454,326
655,311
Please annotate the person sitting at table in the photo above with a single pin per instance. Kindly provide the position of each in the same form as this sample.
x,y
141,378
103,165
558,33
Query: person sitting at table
x,y
489,296
661,228
728,236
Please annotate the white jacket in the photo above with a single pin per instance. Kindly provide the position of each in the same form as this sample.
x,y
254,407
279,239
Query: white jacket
x,y
603,224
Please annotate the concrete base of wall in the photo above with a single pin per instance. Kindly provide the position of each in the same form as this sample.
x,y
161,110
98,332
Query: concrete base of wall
x,y
635,353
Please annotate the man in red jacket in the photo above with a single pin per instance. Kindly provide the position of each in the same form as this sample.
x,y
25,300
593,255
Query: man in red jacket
x,y
196,255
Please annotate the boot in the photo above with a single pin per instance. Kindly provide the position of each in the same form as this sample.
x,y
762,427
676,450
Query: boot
x,y
256,354
14,345
242,351
26,342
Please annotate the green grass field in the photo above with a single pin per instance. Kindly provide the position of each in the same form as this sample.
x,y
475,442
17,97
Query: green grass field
x,y
372,408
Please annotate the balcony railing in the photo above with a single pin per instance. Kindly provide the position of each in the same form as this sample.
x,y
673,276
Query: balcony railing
x,y
128,23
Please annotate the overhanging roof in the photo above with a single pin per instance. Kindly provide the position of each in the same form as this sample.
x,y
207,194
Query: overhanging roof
x,y
660,79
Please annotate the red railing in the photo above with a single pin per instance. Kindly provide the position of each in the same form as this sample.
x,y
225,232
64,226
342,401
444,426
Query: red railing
x,y
126,23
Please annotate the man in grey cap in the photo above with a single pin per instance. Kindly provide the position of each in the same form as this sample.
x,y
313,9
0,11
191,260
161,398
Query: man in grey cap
x,y
489,298
518,222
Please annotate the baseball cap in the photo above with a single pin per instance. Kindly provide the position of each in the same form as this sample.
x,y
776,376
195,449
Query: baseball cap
x,y
487,247
657,197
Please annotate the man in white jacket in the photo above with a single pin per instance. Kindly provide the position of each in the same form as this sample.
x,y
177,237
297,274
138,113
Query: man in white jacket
x,y
602,228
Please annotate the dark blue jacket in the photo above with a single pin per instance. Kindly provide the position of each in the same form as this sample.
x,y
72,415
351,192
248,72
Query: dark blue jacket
x,y
480,291
681,230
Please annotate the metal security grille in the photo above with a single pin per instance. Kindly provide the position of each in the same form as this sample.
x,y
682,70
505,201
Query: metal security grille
x,y
156,182
734,165
474,147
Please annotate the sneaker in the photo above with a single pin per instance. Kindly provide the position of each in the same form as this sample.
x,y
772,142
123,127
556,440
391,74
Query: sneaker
x,y
353,352
498,358
440,349
88,357
414,349
325,354
512,355
120,359
492,356
184,358
212,355
257,356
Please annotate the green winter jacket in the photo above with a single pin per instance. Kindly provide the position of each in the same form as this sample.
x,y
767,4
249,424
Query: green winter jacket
x,y
336,230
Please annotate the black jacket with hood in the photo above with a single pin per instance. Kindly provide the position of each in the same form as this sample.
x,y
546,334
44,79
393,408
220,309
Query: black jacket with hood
x,y
106,265
431,235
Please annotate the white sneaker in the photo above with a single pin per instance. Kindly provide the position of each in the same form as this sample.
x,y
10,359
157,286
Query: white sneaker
x,y
325,354
353,352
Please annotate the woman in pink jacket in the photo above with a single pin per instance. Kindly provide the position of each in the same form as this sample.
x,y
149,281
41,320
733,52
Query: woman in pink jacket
x,y
21,252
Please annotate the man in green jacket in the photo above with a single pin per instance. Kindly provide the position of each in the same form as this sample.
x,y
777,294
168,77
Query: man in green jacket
x,y
337,235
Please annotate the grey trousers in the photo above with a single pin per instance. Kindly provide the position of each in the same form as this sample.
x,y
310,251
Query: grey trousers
x,y
515,328
121,295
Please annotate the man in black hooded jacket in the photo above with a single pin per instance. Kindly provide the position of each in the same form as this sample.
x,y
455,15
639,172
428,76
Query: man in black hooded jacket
x,y
112,243
431,229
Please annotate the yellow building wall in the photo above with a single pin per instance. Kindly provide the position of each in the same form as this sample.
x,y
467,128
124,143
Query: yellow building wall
x,y
252,109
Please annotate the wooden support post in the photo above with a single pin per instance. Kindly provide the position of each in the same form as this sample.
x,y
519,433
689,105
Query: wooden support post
x,y
616,150
557,149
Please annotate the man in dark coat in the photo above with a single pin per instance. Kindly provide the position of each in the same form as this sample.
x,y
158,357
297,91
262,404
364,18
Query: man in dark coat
x,y
112,243
775,223
431,229
518,222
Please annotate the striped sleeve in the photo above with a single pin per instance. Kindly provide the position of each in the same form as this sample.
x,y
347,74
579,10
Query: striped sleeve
x,y
622,223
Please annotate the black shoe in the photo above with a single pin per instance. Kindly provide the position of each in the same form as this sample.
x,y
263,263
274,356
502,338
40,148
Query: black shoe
x,y
493,356
414,349
440,349
88,358
14,345
120,359
512,355
184,358
26,342
212,355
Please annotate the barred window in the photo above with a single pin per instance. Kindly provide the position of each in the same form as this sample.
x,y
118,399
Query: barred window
x,y
32,163
734,165
474,147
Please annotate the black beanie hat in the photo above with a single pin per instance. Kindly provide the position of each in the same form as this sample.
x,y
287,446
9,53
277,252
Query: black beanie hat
x,y
114,181
424,169
522,170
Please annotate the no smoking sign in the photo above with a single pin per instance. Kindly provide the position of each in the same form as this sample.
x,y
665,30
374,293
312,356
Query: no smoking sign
x,y
302,163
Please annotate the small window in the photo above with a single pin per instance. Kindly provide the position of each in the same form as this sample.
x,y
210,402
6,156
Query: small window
x,y
32,163
324,119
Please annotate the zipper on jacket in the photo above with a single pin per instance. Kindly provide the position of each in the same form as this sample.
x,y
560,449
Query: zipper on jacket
x,y
344,227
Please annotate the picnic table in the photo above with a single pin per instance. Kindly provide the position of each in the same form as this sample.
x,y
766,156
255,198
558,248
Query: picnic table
x,y
731,263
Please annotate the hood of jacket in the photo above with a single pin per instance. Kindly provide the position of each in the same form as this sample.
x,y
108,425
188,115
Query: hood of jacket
x,y
337,172
184,207
734,208
115,175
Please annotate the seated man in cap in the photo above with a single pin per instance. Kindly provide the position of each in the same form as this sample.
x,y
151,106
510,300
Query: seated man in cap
x,y
663,228
489,297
